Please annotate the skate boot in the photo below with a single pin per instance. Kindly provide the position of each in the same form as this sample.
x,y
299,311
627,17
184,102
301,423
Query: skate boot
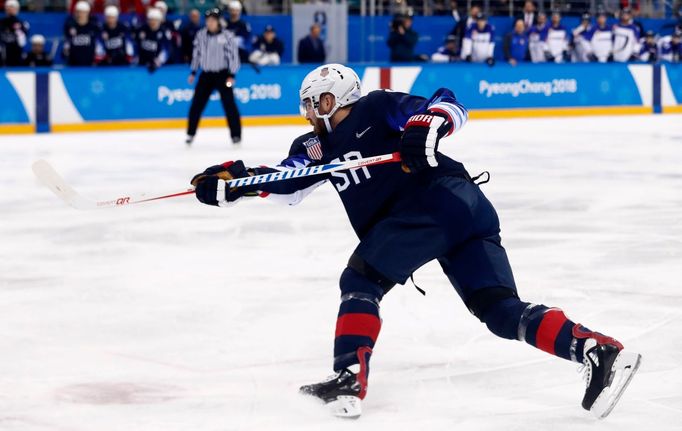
x,y
607,369
344,391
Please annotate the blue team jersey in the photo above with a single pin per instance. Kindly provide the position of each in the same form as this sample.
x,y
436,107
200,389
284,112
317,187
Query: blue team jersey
x,y
373,127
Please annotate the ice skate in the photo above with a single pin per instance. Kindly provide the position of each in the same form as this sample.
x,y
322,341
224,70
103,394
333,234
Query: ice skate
x,y
342,392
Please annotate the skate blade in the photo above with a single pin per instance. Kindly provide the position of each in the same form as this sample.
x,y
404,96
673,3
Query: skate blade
x,y
346,406
624,368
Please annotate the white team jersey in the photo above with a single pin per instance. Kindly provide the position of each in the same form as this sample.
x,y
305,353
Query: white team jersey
x,y
601,43
625,42
665,48
536,44
582,49
479,44
557,42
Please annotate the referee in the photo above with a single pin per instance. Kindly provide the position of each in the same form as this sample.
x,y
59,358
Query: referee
x,y
217,54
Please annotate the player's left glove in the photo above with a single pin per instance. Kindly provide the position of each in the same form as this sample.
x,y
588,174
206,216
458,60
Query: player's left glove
x,y
211,186
419,143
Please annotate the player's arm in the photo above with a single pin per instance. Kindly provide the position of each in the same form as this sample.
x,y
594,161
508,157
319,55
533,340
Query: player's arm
x,y
467,46
423,123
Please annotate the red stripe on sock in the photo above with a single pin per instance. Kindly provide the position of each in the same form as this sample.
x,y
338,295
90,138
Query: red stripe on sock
x,y
362,324
549,329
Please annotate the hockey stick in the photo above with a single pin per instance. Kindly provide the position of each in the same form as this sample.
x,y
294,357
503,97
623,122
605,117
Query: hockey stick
x,y
53,181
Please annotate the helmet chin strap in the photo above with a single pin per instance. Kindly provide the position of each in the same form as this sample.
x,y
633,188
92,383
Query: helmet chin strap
x,y
327,117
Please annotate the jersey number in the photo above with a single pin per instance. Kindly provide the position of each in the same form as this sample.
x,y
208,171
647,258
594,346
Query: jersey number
x,y
354,173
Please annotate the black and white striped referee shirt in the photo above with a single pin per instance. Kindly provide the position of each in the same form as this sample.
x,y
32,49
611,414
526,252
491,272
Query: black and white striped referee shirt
x,y
214,52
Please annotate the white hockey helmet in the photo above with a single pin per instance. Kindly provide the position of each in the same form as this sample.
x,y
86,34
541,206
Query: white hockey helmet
x,y
111,11
154,14
336,79
82,6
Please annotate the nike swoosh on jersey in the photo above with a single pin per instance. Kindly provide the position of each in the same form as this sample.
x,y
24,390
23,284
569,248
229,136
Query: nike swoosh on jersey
x,y
359,135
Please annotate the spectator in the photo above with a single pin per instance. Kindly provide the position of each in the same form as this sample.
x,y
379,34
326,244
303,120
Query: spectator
x,y
600,39
311,47
80,36
625,38
479,42
447,53
187,33
239,28
462,25
152,42
516,44
116,45
268,49
537,37
528,15
37,57
13,34
557,40
402,39
580,45
649,51
670,48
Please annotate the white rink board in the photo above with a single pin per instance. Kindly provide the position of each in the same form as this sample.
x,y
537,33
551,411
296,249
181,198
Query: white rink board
x,y
177,316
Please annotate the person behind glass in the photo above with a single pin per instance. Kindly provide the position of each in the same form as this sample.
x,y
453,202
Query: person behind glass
x,y
528,15
447,53
311,48
37,57
152,42
171,33
402,39
116,44
239,28
81,34
649,50
580,45
462,24
187,33
479,42
625,38
670,47
268,49
516,44
216,53
13,34
557,40
537,36
600,38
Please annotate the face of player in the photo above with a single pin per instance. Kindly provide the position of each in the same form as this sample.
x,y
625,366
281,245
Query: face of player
x,y
212,24
625,18
519,27
481,24
556,20
601,20
542,19
235,14
37,48
326,105
82,17
154,24
11,10
111,21
269,36
194,17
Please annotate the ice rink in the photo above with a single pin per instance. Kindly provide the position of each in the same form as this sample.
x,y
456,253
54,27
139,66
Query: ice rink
x,y
178,316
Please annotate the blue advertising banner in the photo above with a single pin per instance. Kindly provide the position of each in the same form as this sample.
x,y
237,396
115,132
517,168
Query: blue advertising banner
x,y
12,110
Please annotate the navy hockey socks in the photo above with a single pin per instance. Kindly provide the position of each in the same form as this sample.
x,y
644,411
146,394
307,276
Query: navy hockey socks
x,y
358,323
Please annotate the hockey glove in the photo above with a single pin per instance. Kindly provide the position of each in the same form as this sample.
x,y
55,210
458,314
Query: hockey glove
x,y
210,185
419,143
490,61
468,59
549,57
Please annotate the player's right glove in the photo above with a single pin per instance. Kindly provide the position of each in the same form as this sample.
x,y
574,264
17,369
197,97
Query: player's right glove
x,y
419,143
211,185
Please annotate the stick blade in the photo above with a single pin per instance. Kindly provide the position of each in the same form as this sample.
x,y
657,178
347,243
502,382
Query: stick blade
x,y
53,181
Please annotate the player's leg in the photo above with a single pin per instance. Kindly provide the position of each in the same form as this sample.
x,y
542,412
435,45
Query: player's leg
x,y
202,92
480,271
231,111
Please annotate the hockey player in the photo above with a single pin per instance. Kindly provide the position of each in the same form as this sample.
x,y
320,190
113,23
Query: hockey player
x,y
448,52
428,208
153,42
81,33
649,51
37,57
557,40
13,35
581,46
239,28
479,42
625,38
116,46
600,38
670,48
537,36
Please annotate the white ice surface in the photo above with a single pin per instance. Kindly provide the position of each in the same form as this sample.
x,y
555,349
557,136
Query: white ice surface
x,y
178,316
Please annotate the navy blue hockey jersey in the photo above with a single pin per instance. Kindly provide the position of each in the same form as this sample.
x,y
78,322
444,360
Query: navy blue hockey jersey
x,y
373,127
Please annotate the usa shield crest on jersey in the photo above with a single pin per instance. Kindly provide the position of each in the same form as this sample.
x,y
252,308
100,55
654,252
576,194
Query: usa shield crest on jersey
x,y
314,148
